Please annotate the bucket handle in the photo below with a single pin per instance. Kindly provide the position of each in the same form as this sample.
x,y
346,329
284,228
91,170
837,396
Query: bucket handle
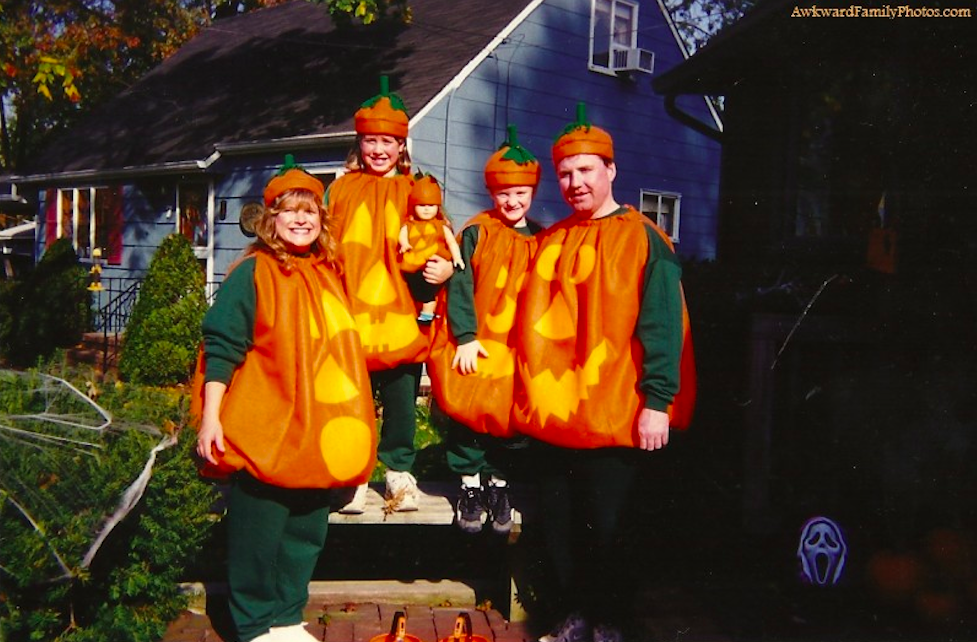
x,y
463,627
398,627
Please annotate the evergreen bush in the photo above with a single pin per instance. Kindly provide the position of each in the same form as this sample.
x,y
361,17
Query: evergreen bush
x,y
48,310
131,589
162,337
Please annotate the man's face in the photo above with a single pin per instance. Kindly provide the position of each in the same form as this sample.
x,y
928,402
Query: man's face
x,y
586,180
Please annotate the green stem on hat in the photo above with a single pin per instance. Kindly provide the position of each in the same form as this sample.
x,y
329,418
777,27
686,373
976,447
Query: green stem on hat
x,y
580,123
516,152
289,164
396,102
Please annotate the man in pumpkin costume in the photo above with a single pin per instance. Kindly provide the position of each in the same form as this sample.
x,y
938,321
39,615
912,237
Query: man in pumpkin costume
x,y
600,339
368,206
285,409
472,362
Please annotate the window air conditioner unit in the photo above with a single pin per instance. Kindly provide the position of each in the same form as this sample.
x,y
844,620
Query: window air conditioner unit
x,y
632,59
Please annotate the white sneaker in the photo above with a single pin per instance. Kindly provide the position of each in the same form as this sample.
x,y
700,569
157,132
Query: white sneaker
x,y
293,633
268,636
572,629
357,500
402,494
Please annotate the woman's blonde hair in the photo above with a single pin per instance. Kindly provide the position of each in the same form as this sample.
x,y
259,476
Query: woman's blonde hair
x,y
264,228
354,160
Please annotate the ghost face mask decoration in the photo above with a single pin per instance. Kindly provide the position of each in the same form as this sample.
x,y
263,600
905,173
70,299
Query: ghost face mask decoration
x,y
822,551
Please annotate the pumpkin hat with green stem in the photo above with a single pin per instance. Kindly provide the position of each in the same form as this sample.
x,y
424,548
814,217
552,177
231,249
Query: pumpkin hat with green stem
x,y
289,177
425,191
581,137
384,114
512,165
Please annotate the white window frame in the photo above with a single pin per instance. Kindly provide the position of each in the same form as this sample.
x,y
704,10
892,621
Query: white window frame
x,y
657,215
628,5
76,218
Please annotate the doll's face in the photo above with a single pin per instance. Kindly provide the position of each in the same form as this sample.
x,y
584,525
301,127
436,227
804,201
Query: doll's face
x,y
425,212
380,153
298,225
512,203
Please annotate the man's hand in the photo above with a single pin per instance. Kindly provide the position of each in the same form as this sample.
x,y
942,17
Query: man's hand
x,y
652,429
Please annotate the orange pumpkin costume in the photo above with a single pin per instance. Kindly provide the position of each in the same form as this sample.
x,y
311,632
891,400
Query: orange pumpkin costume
x,y
483,400
298,412
426,237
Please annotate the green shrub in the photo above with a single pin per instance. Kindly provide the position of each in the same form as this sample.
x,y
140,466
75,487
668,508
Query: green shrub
x,y
131,589
163,335
50,309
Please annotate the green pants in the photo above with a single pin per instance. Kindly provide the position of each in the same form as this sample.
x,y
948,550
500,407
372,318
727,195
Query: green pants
x,y
275,536
397,390
468,452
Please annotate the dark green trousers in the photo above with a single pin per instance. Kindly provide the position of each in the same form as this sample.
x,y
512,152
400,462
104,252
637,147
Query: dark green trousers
x,y
397,390
468,452
275,536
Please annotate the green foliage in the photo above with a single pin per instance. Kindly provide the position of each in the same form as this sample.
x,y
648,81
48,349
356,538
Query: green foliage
x,y
162,337
131,590
346,12
50,309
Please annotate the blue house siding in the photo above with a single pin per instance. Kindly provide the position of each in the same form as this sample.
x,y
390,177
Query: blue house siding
x,y
534,80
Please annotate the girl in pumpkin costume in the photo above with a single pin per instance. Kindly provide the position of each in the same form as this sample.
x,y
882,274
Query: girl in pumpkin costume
x,y
601,373
427,232
286,406
472,362
369,206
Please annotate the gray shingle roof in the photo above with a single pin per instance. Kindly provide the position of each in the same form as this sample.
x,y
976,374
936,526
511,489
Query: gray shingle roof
x,y
276,73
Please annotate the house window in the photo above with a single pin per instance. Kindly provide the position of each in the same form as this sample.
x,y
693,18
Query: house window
x,y
613,25
664,209
91,217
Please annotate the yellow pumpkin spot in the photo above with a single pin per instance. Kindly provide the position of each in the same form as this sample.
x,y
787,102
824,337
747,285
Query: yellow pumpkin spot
x,y
546,261
502,322
561,397
392,221
377,288
314,327
502,278
338,318
395,332
499,364
556,323
346,444
584,263
360,228
332,385
520,282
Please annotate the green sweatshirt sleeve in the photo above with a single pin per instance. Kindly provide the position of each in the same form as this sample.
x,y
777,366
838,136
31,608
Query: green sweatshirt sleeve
x,y
461,291
228,326
660,324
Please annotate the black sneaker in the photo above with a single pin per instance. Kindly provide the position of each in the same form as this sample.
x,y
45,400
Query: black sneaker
x,y
470,512
499,508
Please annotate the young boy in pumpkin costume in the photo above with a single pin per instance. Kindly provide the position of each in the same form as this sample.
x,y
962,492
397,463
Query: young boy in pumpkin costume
x,y
472,360
369,206
600,344
427,232
286,407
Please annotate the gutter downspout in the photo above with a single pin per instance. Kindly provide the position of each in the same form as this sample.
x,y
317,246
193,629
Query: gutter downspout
x,y
672,109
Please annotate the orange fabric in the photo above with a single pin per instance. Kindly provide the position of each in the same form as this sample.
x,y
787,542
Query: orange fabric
x,y
368,212
425,191
584,140
382,119
579,361
299,411
293,179
426,239
501,172
483,400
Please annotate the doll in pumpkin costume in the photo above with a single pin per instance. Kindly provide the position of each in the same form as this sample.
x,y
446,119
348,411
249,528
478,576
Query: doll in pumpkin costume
x,y
369,206
286,406
427,232
600,367
472,359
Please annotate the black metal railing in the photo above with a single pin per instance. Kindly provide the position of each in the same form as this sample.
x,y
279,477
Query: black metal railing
x,y
112,317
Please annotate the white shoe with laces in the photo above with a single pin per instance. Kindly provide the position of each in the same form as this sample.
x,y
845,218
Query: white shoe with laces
x,y
402,494
572,629
357,500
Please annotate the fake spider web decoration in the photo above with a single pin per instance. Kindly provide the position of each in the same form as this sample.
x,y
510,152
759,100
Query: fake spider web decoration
x,y
52,440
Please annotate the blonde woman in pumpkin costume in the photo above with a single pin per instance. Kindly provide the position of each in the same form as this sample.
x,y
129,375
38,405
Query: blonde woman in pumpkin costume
x,y
427,232
369,206
601,335
472,361
286,407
